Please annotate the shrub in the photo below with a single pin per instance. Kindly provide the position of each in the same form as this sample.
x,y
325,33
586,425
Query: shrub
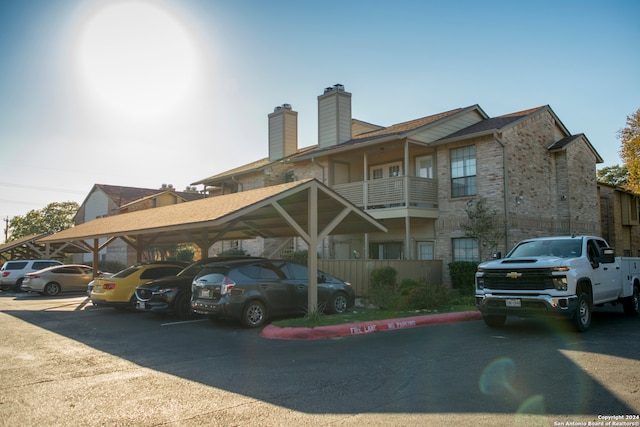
x,y
383,292
233,252
185,254
463,275
426,297
297,256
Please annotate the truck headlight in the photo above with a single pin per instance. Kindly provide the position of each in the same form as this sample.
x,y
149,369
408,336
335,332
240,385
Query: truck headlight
x,y
480,280
560,283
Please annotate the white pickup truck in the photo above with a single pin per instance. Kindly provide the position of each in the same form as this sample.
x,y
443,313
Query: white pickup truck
x,y
566,275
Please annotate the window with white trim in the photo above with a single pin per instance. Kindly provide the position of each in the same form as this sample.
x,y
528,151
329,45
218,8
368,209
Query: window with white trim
x,y
463,171
425,250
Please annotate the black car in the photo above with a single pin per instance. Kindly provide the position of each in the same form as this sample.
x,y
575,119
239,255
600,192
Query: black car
x,y
172,294
253,291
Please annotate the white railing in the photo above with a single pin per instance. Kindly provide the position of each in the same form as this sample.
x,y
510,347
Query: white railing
x,y
407,191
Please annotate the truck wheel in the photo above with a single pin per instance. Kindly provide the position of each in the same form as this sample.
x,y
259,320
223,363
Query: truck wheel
x,y
494,321
582,316
632,304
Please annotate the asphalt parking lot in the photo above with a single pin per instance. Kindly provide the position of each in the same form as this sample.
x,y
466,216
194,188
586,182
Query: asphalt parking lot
x,y
69,363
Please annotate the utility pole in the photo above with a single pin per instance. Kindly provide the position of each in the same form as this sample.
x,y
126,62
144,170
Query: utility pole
x,y
6,229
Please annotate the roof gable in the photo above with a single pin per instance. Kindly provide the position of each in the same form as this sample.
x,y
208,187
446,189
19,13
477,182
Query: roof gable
x,y
571,139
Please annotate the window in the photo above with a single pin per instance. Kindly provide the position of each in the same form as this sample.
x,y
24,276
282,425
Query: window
x,y
463,171
388,170
424,167
465,249
425,250
387,250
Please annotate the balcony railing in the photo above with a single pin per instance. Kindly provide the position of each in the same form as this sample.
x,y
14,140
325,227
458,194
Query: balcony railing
x,y
402,191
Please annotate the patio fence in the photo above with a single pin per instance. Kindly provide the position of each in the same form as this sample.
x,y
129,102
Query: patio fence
x,y
358,272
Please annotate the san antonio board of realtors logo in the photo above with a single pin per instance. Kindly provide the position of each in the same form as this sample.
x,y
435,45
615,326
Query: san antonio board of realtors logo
x,y
514,275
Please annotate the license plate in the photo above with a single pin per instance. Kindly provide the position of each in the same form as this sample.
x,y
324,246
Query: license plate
x,y
97,288
513,303
205,293
141,305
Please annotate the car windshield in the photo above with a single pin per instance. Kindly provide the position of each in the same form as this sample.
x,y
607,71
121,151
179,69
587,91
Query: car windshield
x,y
563,248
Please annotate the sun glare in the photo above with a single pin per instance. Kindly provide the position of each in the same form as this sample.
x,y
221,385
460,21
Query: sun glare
x,y
137,59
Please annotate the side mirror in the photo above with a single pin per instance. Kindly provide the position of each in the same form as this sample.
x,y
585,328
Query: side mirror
x,y
607,256
497,255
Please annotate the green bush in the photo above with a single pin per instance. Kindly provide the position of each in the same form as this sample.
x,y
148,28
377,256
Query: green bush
x,y
297,256
463,275
384,290
410,294
426,297
185,255
233,252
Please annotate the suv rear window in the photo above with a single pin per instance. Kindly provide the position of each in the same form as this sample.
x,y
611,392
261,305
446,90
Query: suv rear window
x,y
16,265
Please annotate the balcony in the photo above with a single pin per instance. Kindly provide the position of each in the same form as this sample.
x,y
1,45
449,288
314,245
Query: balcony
x,y
392,193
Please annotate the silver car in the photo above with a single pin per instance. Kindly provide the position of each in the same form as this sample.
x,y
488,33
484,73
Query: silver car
x,y
61,278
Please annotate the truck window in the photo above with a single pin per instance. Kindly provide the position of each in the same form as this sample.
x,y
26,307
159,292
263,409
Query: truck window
x,y
592,251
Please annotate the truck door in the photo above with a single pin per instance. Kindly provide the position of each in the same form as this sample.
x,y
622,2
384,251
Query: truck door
x,y
605,276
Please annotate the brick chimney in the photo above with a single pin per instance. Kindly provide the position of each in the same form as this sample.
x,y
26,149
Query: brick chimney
x,y
283,132
334,116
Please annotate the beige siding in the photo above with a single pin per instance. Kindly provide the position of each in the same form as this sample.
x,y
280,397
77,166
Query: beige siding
x,y
448,127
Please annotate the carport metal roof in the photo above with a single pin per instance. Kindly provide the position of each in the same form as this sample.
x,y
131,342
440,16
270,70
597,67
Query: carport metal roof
x,y
306,208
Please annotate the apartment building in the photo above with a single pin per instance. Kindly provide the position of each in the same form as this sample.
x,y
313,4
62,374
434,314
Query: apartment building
x,y
418,176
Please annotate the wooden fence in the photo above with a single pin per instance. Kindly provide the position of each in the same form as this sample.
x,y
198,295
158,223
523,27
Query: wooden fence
x,y
358,272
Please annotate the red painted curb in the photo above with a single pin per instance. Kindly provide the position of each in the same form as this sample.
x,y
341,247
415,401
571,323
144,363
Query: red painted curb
x,y
350,329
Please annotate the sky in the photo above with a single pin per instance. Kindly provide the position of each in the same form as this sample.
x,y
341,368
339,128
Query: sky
x,y
143,93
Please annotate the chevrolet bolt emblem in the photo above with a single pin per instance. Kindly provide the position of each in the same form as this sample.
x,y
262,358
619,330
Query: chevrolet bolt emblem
x,y
514,275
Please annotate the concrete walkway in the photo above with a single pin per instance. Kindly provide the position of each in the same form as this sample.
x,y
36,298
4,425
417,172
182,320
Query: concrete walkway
x,y
349,329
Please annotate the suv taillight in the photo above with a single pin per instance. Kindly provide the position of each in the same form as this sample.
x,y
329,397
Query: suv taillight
x,y
227,285
5,273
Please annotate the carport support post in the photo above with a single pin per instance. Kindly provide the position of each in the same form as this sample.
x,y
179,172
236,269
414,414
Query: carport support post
x,y
312,262
96,250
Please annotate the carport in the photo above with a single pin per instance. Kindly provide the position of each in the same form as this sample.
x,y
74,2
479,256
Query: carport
x,y
28,247
306,208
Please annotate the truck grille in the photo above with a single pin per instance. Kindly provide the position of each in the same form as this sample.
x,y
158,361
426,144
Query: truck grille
x,y
528,279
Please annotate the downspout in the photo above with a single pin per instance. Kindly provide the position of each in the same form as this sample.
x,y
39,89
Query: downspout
x,y
505,175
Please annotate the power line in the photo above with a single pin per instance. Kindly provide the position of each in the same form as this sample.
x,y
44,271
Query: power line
x,y
33,187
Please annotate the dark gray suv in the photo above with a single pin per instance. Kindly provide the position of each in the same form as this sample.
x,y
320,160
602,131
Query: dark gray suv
x,y
254,291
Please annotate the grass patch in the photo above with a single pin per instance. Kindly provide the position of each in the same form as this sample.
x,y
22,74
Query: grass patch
x,y
357,315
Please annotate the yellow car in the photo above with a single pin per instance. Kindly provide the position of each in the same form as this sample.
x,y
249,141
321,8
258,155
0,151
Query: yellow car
x,y
118,291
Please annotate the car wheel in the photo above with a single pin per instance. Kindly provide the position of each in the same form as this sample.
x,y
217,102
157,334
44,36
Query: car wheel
x,y
582,316
632,304
338,303
494,321
183,306
18,286
254,314
52,289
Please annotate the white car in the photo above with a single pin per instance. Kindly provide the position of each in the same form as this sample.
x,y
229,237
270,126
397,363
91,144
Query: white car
x,y
61,278
12,272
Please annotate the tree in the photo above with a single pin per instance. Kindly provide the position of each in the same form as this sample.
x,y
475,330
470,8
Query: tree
x,y
482,225
630,151
614,175
54,217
